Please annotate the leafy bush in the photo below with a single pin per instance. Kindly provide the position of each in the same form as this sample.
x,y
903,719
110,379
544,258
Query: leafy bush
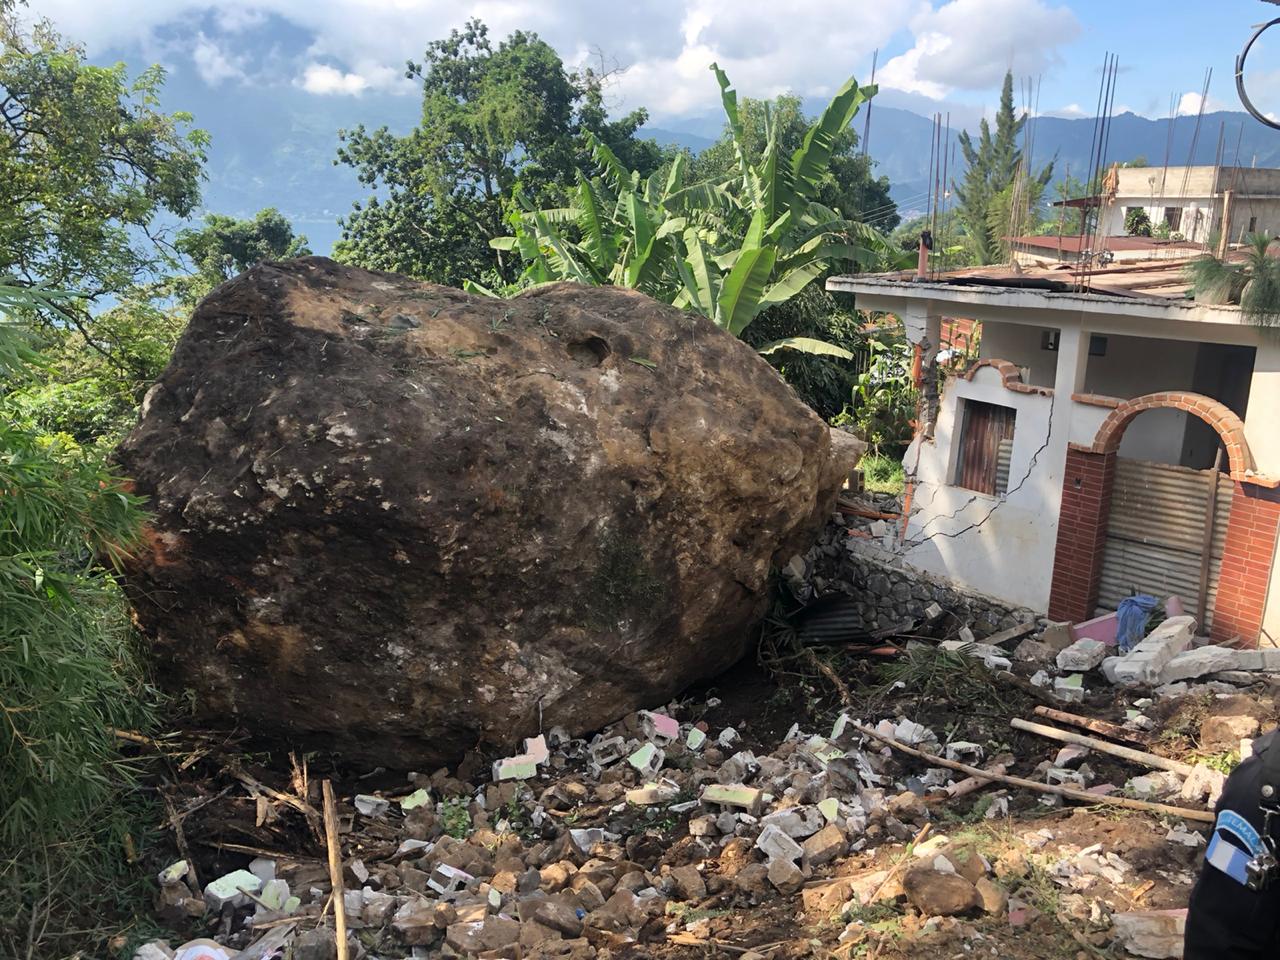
x,y
823,382
69,674
883,473
884,399
1137,223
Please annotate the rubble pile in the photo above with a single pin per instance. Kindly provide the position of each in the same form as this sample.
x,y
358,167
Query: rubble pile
x,y
641,835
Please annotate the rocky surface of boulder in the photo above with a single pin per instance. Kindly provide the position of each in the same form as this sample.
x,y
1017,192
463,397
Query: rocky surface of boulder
x,y
399,521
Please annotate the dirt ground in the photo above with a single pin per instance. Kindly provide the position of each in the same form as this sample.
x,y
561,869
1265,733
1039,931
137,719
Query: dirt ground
x,y
227,806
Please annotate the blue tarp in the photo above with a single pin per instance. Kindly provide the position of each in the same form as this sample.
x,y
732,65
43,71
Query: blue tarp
x,y
1131,619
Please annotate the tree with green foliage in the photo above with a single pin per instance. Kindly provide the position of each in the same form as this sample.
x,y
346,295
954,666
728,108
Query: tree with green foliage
x,y
848,185
728,249
69,676
495,120
88,167
226,246
1253,283
997,181
1137,223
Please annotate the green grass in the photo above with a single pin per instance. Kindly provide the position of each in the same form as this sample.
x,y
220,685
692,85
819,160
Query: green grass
x,y
883,474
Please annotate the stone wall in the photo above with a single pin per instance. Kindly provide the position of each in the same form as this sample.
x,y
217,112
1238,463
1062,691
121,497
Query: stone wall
x,y
890,592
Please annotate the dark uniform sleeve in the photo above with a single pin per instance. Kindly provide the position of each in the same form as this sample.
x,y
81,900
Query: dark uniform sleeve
x,y
1226,920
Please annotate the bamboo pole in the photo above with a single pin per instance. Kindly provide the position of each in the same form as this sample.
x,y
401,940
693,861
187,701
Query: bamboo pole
x,y
335,870
1112,730
1102,746
1200,816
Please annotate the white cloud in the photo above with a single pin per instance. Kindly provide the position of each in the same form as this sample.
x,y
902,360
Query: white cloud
x,y
351,47
970,44
1189,104
324,79
214,64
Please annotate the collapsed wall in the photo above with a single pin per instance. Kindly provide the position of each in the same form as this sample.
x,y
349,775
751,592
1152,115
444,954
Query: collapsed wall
x,y
397,520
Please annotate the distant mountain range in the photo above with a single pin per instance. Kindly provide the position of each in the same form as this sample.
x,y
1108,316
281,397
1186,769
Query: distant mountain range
x,y
280,152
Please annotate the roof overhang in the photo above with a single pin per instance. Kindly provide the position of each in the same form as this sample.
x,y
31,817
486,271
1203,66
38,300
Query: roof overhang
x,y
889,294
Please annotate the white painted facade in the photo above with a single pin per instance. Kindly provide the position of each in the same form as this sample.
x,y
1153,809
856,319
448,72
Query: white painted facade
x,y
1004,545
1199,195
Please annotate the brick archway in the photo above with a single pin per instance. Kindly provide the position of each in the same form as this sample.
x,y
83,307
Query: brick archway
x,y
1252,529
1213,412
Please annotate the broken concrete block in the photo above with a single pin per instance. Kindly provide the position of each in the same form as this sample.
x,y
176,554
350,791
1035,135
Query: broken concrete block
x,y
651,793
585,839
445,879
536,749
1151,933
1198,662
608,751
1070,689
1082,655
419,798
515,768
775,844
648,760
659,727
1031,650
227,889
1145,663
695,739
795,822
1203,781
371,806
829,808
964,750
1150,786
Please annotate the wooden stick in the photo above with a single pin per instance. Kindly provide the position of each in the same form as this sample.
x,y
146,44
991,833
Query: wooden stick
x,y
306,809
1102,746
256,851
1112,730
1200,816
973,783
335,869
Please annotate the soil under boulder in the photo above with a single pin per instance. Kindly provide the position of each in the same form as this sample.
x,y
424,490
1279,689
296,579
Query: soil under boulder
x,y
400,521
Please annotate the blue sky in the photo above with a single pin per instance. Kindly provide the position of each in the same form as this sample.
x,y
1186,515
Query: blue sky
x,y
933,54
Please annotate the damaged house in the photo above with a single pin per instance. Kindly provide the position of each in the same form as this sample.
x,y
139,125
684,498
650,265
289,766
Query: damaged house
x,y
1112,436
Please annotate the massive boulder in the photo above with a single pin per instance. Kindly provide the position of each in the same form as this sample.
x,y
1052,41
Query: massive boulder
x,y
400,521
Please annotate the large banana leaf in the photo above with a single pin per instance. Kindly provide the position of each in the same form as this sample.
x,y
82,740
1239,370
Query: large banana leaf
x,y
813,158
701,280
792,282
729,100
562,254
818,348
740,294
597,236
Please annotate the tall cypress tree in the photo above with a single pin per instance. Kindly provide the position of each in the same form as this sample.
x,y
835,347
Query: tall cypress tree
x,y
993,165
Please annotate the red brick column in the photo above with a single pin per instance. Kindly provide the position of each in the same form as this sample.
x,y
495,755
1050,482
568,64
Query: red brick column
x,y
1246,563
1082,534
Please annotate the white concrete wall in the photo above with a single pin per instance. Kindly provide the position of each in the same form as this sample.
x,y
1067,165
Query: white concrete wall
x,y
1020,344
1004,545
1137,365
1008,552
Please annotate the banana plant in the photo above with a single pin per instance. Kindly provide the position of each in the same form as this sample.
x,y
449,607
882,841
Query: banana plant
x,y
726,249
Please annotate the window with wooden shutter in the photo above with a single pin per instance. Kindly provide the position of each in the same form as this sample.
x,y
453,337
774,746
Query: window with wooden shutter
x,y
986,447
